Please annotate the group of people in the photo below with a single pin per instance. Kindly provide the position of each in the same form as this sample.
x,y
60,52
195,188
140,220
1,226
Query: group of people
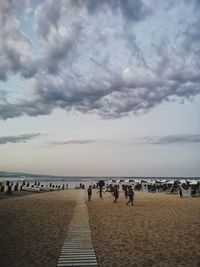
x,y
100,192
114,190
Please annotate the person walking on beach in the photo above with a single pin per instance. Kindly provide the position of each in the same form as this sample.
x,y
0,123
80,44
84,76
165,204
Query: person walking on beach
x,y
131,195
126,191
180,192
89,191
100,192
115,193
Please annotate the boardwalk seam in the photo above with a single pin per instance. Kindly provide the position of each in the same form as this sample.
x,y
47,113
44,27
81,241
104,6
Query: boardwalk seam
x,y
77,248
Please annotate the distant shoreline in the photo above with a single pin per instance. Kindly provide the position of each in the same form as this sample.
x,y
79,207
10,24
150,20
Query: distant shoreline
x,y
6,174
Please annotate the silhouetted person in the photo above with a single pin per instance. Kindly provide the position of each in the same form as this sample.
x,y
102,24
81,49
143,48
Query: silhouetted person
x,y
126,191
131,195
180,192
89,191
100,192
115,193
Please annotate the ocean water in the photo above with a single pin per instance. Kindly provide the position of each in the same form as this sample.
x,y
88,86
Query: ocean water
x,y
72,182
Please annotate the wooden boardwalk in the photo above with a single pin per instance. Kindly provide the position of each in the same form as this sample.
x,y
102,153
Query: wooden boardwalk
x,y
78,249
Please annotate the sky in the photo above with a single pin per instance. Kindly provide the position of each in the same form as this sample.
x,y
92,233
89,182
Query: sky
x,y
100,88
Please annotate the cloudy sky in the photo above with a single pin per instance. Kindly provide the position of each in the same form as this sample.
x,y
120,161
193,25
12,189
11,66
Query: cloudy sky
x,y
104,87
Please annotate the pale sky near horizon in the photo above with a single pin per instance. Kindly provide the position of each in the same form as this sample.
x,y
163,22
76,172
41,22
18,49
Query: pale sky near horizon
x,y
108,87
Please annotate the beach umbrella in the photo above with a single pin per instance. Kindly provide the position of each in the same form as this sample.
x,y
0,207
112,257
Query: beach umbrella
x,y
137,180
170,182
101,183
193,182
111,181
120,181
129,181
160,181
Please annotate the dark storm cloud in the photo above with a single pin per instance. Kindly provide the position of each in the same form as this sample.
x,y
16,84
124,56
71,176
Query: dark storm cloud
x,y
13,7
15,50
60,49
75,71
48,15
191,42
134,10
17,139
112,96
9,111
10,37
171,139
191,33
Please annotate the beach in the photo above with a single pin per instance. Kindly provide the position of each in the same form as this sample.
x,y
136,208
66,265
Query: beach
x,y
33,227
159,230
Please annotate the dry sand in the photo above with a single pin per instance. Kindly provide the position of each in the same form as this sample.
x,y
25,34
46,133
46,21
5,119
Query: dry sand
x,y
33,227
159,230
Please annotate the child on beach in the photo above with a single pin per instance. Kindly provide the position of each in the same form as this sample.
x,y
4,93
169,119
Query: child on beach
x,y
89,191
131,195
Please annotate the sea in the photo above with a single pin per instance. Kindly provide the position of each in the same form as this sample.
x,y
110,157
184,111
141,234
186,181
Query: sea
x,y
69,182
75,181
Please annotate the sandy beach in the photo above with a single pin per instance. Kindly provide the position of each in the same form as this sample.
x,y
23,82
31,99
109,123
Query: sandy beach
x,y
159,230
33,227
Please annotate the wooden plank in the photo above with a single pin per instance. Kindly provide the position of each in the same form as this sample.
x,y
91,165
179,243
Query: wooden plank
x,y
78,265
78,249
77,261
77,258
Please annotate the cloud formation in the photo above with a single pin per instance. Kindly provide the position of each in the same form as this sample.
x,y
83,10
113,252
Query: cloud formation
x,y
17,139
171,139
74,62
151,140
74,142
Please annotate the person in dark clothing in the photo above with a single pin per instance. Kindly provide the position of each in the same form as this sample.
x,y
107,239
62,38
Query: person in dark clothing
x,y
180,192
126,191
100,192
115,193
131,195
89,191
